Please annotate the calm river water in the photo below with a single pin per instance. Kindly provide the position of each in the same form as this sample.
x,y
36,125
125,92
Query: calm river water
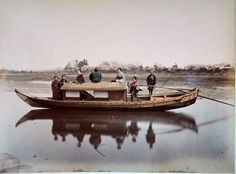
x,y
198,138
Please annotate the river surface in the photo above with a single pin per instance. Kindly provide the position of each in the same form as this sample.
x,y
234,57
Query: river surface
x,y
198,138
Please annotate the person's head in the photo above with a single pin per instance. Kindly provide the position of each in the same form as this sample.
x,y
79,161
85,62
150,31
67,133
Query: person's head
x,y
96,69
55,77
151,71
119,70
134,78
63,76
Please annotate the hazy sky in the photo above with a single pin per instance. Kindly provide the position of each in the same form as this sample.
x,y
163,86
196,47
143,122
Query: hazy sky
x,y
42,34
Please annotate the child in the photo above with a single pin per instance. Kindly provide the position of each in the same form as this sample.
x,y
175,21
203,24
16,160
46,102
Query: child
x,y
134,88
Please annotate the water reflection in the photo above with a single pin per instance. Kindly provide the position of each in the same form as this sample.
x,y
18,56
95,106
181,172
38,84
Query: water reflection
x,y
116,124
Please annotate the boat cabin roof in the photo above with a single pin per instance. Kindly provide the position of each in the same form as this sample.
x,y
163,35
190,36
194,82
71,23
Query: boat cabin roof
x,y
102,86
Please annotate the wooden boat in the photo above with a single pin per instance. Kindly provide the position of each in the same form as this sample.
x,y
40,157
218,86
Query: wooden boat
x,y
119,125
110,96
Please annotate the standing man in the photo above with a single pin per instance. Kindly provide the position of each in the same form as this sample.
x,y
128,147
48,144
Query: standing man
x,y
150,136
151,82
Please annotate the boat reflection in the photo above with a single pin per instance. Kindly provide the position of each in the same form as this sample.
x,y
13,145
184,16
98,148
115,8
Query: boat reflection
x,y
116,124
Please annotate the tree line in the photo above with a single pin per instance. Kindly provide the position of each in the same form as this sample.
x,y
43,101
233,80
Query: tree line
x,y
112,66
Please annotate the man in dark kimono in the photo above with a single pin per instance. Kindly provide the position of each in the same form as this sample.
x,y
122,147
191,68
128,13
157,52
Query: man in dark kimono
x,y
133,130
95,76
150,136
60,84
151,82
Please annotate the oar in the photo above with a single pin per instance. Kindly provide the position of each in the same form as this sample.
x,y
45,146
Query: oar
x,y
215,100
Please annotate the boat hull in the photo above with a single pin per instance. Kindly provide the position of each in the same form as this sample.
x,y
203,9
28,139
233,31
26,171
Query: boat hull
x,y
159,105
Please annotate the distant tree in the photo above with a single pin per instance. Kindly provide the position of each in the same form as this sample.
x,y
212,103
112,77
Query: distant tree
x,y
156,67
131,67
140,68
68,67
76,63
82,63
105,63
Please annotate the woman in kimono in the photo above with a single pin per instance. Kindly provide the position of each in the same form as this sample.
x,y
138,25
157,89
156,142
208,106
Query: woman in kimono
x,y
120,76
80,77
55,91
80,80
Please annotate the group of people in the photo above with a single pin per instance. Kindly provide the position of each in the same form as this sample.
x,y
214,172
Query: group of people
x,y
56,87
134,87
119,131
96,77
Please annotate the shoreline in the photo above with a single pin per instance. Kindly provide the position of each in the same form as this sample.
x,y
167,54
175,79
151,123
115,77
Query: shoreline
x,y
107,76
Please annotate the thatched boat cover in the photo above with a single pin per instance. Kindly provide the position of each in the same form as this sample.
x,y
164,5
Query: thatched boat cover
x,y
102,86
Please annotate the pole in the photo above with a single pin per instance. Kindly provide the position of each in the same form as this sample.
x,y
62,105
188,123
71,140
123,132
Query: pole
x,y
215,100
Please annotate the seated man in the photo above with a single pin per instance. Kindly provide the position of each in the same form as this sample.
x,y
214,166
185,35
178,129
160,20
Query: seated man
x,y
95,76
